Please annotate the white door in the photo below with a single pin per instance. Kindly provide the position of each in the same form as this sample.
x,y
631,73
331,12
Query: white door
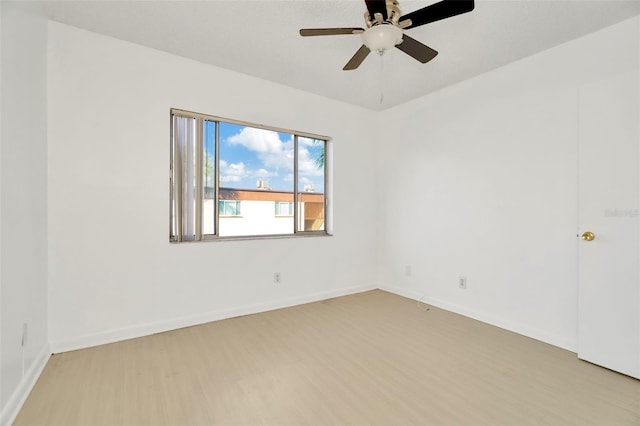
x,y
609,189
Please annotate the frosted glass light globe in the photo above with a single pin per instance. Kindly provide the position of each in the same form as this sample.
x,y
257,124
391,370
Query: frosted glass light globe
x,y
382,37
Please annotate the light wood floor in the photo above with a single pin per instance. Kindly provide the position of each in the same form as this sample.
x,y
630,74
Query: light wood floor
x,y
370,358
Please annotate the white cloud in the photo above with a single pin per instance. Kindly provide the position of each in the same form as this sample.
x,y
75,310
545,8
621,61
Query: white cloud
x,y
273,152
230,178
306,164
306,141
257,140
233,172
264,173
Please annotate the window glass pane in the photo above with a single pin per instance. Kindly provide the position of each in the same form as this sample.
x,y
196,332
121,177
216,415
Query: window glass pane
x,y
256,170
311,169
209,177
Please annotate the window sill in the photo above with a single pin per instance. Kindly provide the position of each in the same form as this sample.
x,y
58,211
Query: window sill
x,y
259,237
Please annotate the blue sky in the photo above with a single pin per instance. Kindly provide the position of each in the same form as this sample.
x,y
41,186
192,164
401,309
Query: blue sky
x,y
248,154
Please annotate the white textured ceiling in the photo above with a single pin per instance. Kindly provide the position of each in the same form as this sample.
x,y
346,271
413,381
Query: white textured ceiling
x,y
260,38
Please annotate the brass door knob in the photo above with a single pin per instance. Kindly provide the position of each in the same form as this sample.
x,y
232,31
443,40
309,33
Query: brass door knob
x,y
588,236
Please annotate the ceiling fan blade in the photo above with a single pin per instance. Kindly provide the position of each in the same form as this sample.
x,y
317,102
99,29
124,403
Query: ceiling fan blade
x,y
416,50
329,31
435,12
377,6
357,59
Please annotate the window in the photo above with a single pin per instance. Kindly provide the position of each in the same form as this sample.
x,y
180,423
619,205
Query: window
x,y
227,176
284,208
229,208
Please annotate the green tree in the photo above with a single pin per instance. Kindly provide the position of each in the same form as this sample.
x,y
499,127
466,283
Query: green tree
x,y
320,153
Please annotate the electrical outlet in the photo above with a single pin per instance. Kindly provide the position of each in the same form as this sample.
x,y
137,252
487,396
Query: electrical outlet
x,y
407,270
462,282
276,277
25,328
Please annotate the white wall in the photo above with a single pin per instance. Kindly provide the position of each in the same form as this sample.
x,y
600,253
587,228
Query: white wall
x,y
482,182
23,213
115,275
256,218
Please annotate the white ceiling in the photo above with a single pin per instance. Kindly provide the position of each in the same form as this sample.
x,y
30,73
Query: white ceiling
x,y
260,38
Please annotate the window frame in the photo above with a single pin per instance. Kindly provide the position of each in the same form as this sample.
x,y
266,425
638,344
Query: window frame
x,y
174,205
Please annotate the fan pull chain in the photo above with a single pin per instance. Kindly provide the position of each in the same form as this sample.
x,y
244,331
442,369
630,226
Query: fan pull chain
x,y
381,79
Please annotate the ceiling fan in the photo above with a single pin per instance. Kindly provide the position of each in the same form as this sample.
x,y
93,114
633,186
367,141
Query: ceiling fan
x,y
386,24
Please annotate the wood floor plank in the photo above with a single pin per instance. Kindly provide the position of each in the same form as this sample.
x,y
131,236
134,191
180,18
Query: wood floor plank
x,y
373,358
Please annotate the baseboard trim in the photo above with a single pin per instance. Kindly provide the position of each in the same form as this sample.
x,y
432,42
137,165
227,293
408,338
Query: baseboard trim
x,y
16,401
142,330
486,318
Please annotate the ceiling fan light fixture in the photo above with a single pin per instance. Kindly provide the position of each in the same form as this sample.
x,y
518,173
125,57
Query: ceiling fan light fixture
x,y
386,24
382,37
